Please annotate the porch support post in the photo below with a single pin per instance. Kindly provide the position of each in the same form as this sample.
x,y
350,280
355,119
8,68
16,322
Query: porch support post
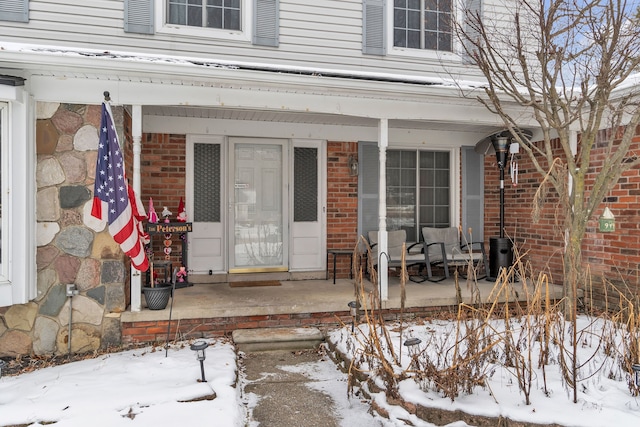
x,y
383,265
136,131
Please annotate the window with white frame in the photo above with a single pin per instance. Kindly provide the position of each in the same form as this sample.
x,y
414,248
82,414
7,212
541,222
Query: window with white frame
x,y
423,24
418,190
222,14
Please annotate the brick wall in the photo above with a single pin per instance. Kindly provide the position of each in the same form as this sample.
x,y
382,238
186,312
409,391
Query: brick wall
x,y
156,331
163,177
614,256
342,202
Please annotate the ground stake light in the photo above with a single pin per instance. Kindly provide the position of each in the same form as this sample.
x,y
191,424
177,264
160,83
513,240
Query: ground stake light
x,y
636,373
353,309
199,347
413,345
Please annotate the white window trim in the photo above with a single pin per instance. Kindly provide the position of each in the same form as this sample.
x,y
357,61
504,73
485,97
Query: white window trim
x,y
162,27
422,53
18,281
5,241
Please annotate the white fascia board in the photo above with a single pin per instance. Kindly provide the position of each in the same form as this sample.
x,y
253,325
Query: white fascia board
x,y
82,90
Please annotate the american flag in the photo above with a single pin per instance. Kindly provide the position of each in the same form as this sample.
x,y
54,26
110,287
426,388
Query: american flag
x,y
113,197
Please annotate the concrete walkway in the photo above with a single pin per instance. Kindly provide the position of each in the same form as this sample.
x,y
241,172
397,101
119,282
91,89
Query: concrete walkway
x,y
284,398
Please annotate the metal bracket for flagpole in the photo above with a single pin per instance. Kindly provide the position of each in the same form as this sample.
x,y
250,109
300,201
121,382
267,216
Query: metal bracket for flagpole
x,y
107,96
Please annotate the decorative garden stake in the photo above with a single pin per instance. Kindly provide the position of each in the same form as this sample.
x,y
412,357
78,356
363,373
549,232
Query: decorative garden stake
x,y
199,347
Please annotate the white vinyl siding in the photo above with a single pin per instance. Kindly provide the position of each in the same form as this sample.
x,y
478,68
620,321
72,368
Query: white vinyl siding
x,y
324,34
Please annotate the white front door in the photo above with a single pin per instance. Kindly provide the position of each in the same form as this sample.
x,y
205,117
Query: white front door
x,y
258,229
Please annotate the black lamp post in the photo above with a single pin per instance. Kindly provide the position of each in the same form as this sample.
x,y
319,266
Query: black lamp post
x,y
500,249
199,347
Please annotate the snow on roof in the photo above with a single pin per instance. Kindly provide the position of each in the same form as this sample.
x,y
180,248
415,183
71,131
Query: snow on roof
x,y
242,65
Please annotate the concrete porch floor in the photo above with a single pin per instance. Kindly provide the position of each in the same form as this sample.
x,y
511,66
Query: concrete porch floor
x,y
219,300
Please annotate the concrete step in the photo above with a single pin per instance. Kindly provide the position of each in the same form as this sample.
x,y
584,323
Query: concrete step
x,y
265,339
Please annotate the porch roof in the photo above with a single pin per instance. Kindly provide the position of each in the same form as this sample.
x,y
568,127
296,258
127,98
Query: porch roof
x,y
178,86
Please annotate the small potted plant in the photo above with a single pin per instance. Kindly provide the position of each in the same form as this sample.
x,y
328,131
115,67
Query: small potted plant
x,y
157,293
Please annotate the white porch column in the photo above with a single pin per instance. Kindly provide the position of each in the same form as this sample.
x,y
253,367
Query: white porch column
x,y
383,265
136,130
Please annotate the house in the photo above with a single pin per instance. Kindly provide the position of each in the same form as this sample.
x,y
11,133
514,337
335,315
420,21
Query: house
x,y
278,122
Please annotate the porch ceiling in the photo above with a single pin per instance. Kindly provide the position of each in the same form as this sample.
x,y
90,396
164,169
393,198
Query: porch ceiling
x,y
309,118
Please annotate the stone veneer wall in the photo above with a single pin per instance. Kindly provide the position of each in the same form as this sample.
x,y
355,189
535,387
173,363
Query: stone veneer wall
x,y
72,246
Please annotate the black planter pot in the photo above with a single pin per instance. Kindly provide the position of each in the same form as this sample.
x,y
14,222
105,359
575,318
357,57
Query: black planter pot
x,y
158,296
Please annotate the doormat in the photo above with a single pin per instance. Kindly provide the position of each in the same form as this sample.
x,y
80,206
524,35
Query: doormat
x,y
254,283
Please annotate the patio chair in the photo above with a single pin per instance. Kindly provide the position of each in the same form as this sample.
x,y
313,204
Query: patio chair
x,y
442,248
395,239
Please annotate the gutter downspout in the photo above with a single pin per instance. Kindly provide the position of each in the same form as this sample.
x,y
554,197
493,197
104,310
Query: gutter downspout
x,y
383,265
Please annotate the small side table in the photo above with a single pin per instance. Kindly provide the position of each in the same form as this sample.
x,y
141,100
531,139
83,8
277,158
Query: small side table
x,y
336,253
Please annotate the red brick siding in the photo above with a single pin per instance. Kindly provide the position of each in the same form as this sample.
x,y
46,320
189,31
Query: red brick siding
x,y
156,331
615,256
342,202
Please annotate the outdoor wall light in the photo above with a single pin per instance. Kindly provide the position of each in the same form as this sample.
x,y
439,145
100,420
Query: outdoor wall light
x,y
353,309
353,166
199,347
636,373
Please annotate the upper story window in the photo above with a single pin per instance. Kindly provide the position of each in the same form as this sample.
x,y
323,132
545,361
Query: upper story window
x,y
223,14
423,24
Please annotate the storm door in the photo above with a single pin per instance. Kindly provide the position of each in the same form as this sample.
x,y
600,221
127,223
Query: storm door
x,y
258,236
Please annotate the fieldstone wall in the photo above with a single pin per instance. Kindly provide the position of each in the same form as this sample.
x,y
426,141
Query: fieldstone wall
x,y
72,246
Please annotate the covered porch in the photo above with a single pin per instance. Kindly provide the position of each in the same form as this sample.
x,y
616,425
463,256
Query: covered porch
x,y
216,309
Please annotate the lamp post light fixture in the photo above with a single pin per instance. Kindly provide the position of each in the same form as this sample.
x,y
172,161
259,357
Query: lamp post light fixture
x,y
353,309
500,248
636,373
199,347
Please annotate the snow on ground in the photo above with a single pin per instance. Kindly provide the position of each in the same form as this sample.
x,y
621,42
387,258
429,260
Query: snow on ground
x,y
144,388
604,398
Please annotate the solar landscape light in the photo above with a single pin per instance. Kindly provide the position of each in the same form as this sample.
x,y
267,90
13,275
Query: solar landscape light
x,y
199,347
353,309
2,363
636,373
413,345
